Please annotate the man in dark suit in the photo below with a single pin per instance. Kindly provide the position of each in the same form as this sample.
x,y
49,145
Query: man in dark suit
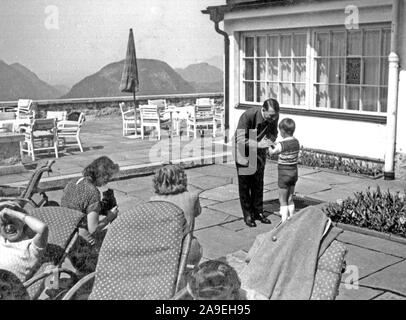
x,y
257,129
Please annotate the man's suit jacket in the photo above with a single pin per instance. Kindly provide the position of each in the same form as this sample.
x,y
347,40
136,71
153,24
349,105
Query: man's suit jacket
x,y
253,124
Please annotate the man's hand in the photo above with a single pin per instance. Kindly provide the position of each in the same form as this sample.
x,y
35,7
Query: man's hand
x,y
264,143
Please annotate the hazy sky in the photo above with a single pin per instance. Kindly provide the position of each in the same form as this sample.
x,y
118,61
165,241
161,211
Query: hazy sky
x,y
64,40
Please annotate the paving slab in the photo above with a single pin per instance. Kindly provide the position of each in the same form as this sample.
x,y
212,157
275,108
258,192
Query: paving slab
x,y
223,193
360,293
391,278
366,261
208,182
390,296
333,179
131,185
333,194
231,207
271,186
308,186
218,242
217,171
209,218
207,202
374,243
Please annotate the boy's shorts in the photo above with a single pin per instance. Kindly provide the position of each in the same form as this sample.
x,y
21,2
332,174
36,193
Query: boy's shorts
x,y
287,175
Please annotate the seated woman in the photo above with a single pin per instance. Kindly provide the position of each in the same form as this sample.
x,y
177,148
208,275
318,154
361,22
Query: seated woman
x,y
20,252
170,184
83,195
215,280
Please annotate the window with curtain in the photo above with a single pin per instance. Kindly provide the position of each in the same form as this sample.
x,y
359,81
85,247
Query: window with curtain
x,y
352,69
274,66
347,70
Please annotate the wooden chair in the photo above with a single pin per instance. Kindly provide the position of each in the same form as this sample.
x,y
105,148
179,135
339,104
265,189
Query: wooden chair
x,y
150,117
219,117
24,112
202,115
70,129
41,135
130,120
58,115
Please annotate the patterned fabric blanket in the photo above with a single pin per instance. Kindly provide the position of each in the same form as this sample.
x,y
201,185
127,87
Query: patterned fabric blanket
x,y
284,263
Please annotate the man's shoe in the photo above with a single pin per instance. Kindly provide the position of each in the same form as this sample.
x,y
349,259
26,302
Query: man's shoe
x,y
262,218
250,222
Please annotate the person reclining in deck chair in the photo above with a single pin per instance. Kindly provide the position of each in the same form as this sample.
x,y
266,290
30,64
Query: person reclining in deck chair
x,y
83,195
170,184
20,252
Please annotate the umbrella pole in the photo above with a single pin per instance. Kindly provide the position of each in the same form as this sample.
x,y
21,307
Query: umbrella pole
x,y
135,114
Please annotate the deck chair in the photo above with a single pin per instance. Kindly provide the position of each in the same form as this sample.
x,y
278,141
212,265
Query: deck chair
x,y
24,114
150,117
329,266
58,115
201,116
143,256
24,195
70,129
63,232
41,135
130,121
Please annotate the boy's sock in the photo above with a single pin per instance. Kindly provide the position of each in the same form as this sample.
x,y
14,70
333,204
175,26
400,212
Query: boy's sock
x,y
291,209
284,213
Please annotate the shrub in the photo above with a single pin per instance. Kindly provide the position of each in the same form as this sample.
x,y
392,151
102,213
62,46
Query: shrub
x,y
339,163
375,210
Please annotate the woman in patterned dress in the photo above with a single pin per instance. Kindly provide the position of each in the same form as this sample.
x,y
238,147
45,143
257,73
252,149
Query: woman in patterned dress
x,y
83,195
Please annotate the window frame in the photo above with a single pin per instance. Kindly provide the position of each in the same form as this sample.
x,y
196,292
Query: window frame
x,y
311,65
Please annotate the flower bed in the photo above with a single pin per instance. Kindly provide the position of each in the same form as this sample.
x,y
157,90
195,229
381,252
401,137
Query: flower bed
x,y
375,210
341,163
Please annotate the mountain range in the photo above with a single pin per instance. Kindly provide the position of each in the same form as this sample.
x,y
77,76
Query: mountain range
x,y
16,82
155,77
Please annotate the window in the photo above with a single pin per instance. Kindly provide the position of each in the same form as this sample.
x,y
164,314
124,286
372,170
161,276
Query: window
x,y
346,70
352,69
275,67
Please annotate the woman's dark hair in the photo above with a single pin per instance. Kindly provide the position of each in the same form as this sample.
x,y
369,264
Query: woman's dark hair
x,y
100,167
171,179
271,103
214,279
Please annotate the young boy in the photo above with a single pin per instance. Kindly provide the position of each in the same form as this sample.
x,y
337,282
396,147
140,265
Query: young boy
x,y
288,150
19,253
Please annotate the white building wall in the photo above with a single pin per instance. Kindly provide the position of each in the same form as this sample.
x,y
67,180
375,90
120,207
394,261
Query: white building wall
x,y
352,137
401,119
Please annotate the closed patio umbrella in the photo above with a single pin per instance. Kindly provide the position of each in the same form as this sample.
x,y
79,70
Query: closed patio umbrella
x,y
129,79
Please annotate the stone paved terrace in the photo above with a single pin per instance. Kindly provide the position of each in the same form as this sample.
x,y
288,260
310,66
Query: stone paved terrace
x,y
381,263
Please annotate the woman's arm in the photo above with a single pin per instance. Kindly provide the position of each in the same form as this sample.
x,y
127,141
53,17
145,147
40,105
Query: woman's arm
x,y
93,222
40,228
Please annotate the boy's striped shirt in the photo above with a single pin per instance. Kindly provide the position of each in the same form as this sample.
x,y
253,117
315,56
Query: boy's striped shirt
x,y
290,151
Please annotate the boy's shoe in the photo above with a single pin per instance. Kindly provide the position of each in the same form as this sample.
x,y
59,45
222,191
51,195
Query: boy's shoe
x,y
262,218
